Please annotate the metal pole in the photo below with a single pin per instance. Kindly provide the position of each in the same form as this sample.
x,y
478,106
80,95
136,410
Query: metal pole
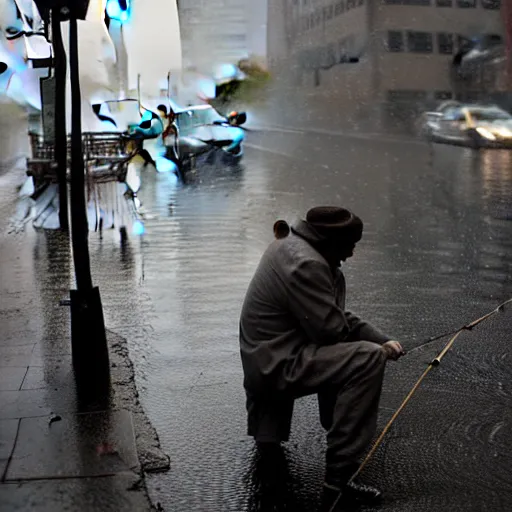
x,y
138,94
79,225
88,335
61,143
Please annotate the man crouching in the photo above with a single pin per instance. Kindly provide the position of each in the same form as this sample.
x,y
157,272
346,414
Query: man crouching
x,y
296,339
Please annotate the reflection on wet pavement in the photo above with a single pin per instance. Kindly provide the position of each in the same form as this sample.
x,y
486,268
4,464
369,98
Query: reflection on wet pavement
x,y
437,252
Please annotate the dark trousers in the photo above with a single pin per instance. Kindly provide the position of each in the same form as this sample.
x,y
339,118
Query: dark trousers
x,y
347,377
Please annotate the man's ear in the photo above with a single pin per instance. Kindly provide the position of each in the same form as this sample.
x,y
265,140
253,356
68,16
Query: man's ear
x,y
281,229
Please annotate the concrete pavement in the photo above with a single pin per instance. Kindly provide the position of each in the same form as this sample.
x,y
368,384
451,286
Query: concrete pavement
x,y
57,452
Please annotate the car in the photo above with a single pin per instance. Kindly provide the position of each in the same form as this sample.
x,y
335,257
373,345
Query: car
x,y
422,124
475,126
199,133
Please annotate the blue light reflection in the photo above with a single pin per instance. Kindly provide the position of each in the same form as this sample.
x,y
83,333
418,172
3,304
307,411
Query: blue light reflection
x,y
119,10
138,228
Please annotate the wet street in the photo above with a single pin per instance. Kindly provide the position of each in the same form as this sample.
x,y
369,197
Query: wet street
x,y
436,253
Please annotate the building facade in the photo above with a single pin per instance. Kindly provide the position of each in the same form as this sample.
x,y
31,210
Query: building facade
x,y
215,32
405,49
418,42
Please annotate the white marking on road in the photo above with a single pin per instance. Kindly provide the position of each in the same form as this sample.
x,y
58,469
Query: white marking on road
x,y
377,137
275,129
268,150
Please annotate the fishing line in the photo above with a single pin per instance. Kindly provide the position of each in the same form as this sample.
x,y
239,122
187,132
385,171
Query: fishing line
x,y
434,363
466,327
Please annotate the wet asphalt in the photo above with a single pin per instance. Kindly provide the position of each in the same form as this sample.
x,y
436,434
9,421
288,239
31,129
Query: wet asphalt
x,y
436,253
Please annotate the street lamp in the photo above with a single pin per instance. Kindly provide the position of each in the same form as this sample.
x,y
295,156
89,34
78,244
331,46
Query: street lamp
x,y
88,337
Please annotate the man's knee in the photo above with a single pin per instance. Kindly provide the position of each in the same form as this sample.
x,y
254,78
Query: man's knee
x,y
372,354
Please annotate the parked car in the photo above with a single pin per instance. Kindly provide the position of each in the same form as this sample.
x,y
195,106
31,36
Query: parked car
x,y
475,126
200,134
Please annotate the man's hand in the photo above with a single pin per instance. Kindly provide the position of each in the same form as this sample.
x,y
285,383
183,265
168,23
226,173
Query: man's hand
x,y
393,350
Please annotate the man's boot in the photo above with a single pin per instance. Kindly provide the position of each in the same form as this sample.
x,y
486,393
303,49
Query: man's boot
x,y
340,494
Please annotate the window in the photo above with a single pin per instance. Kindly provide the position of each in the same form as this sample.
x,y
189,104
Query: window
x,y
419,42
445,43
345,48
491,4
339,8
328,12
406,95
443,95
466,3
444,3
490,114
318,15
395,41
407,2
193,118
342,6
462,42
454,114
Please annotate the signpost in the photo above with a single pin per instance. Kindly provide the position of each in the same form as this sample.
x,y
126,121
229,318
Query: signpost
x,y
59,104
88,336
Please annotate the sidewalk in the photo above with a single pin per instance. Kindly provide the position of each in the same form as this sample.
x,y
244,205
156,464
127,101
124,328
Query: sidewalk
x,y
56,454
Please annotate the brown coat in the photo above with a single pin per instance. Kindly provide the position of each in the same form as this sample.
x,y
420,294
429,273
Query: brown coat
x,y
294,300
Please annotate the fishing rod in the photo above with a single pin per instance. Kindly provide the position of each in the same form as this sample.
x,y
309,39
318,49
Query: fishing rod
x,y
434,363
466,327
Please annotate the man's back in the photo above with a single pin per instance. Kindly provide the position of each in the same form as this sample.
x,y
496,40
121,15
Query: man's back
x,y
271,333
